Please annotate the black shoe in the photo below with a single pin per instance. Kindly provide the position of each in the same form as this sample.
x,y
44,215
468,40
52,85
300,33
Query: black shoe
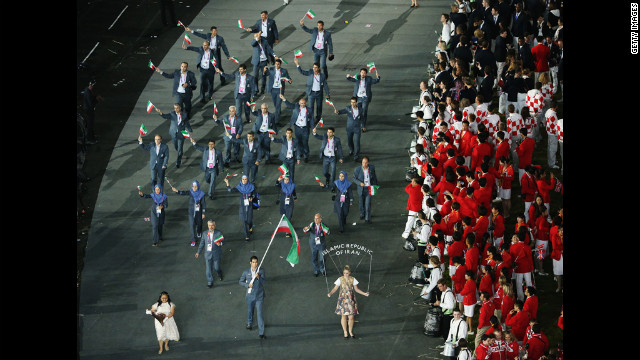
x,y
177,166
210,197
263,336
346,337
350,153
368,221
333,198
315,274
353,336
248,327
209,285
361,217
306,160
333,190
221,277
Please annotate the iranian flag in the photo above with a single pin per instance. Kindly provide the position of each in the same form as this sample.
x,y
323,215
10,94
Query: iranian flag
x,y
185,133
310,14
317,178
327,101
373,190
321,122
286,227
371,66
298,53
325,228
214,62
240,24
187,39
232,175
142,130
149,106
218,239
250,104
151,66
180,23
284,61
271,131
284,78
226,125
283,169
215,108
235,60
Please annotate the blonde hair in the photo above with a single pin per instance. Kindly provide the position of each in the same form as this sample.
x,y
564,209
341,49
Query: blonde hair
x,y
507,289
543,78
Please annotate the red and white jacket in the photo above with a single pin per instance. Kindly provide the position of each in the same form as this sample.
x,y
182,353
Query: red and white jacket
x,y
535,101
552,120
491,122
481,112
547,91
559,127
466,111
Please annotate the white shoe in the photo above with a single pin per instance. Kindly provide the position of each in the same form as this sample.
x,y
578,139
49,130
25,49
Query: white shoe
x,y
286,2
440,347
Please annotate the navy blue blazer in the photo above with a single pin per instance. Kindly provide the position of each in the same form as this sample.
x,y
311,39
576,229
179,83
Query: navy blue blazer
x,y
216,251
283,150
272,77
200,51
174,128
257,289
272,29
217,165
337,145
353,124
192,203
323,81
237,125
191,81
251,85
219,44
358,177
249,157
327,43
162,157
268,51
368,81
313,232
296,112
271,121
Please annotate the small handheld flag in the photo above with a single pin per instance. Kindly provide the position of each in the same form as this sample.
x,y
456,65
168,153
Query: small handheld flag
x,y
139,188
297,53
310,14
284,61
215,108
271,131
371,66
373,190
151,66
218,239
180,23
321,122
187,39
251,103
235,60
240,24
185,133
327,101
142,130
284,78
317,178
149,106
226,125
214,62
232,175
283,169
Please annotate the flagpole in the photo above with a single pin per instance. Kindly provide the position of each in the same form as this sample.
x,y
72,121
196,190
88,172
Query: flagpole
x,y
265,252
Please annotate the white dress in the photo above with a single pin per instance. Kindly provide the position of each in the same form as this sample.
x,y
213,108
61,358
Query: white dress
x,y
170,330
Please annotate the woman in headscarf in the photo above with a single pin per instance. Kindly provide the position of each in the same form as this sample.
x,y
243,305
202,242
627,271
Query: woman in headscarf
x,y
157,211
197,207
343,199
247,192
287,196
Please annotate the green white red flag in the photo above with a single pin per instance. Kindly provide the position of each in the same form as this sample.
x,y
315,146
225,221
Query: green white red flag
x,y
151,66
218,239
185,133
142,130
317,178
284,61
294,253
149,106
215,108
180,23
298,53
187,39
283,169
310,14
240,24
214,62
235,60
251,103
321,122
371,66
271,131
284,78
373,189
327,101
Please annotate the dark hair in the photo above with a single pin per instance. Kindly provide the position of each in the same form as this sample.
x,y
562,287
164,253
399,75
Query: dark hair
x,y
168,298
471,274
213,28
532,290
242,66
212,140
492,275
320,22
253,257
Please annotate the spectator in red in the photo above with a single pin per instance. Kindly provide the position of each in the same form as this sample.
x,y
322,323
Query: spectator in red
x,y
471,255
531,302
525,152
483,351
511,345
523,264
528,189
507,302
546,182
447,184
556,254
455,249
466,137
534,210
518,320
502,148
451,219
486,312
521,223
505,177
487,280
458,279
561,319
499,348
483,194
538,344
480,150
414,204
482,224
469,297
540,54
542,240
497,223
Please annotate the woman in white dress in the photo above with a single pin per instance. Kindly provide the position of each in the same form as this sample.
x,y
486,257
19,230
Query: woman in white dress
x,y
167,329
347,306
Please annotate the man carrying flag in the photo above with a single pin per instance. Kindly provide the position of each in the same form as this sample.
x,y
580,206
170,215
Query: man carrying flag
x,y
321,43
362,90
276,84
233,127
253,280
216,43
212,244
264,121
206,67
143,130
288,151
300,122
317,241
365,177
177,128
316,88
184,82
354,125
263,54
267,28
245,89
